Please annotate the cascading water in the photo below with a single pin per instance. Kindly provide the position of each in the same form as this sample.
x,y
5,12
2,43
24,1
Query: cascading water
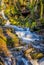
x,y
26,36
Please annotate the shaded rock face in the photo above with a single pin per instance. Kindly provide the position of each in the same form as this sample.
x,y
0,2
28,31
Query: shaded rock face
x,y
41,32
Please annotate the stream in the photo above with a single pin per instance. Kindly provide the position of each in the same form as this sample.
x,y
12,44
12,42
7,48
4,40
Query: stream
x,y
26,36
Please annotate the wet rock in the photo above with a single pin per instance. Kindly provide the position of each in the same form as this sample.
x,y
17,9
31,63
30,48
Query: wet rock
x,y
23,61
41,61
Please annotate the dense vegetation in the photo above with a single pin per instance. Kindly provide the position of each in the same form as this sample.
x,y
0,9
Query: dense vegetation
x,y
25,13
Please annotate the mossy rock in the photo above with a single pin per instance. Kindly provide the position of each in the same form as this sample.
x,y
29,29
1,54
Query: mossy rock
x,y
37,55
14,38
3,37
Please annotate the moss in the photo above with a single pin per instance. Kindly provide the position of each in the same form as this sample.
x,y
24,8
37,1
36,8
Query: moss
x,y
37,55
